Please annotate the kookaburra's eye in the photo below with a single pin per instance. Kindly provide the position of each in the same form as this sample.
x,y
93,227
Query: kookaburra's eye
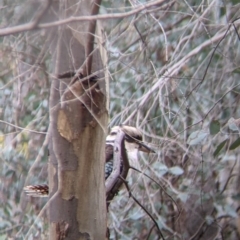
x,y
113,133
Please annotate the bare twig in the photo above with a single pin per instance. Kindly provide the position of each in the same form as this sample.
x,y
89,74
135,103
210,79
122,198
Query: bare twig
x,y
90,39
210,60
159,186
34,24
21,128
31,26
145,210
44,7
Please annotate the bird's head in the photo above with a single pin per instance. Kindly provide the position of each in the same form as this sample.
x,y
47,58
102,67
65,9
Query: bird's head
x,y
133,139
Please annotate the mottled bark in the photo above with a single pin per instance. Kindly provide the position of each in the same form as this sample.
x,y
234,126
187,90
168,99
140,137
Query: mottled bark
x,y
78,121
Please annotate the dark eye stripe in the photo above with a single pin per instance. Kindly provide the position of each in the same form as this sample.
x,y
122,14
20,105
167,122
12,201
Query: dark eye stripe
x,y
133,139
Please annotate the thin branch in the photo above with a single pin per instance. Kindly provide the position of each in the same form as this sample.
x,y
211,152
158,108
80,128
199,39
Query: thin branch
x,y
90,39
209,62
32,26
21,128
159,186
44,7
149,233
145,210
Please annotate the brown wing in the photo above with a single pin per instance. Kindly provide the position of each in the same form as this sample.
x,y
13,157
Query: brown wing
x,y
109,152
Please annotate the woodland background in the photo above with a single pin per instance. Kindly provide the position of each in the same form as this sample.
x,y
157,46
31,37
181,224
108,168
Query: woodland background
x,y
174,72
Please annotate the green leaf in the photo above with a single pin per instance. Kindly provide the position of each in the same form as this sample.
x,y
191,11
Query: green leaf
x,y
196,137
235,144
234,2
183,197
214,127
209,220
230,210
3,237
237,70
160,168
176,170
137,215
232,125
236,197
219,147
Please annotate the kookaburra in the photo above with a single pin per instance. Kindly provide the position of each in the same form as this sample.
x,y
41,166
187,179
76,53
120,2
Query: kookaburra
x,y
133,144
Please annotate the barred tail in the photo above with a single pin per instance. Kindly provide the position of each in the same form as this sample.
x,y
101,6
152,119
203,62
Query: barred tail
x,y
36,190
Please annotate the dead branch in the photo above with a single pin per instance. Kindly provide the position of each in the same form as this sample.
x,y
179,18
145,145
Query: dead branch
x,y
31,26
179,210
144,209
34,24
37,18
90,39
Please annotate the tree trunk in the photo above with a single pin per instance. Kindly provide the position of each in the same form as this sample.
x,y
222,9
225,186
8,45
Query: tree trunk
x,y
78,122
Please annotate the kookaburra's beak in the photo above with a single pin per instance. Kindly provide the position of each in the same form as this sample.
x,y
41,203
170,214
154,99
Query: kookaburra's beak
x,y
133,139
141,146
144,148
134,136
